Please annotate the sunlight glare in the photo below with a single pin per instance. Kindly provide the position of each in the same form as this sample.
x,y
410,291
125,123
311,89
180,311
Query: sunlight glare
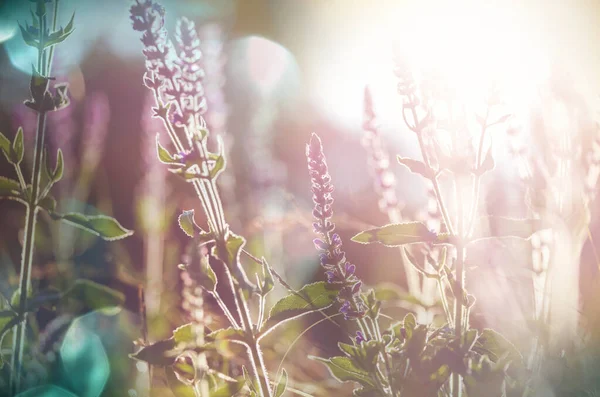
x,y
471,47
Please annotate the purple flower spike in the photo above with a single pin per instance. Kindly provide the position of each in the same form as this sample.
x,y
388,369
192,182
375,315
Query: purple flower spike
x,y
333,259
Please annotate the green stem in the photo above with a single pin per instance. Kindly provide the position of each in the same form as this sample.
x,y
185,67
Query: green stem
x,y
19,336
254,353
27,258
458,312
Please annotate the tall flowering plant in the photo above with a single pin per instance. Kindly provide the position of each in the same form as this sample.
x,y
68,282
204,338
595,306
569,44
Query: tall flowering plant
x,y
36,195
382,357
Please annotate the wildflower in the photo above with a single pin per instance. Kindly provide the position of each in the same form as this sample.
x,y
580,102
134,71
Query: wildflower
x,y
332,257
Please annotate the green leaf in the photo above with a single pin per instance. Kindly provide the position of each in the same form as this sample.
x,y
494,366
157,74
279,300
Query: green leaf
x,y
217,167
6,323
228,389
86,296
9,189
18,149
48,203
59,168
187,223
310,298
28,38
60,35
417,167
184,334
69,26
232,250
162,353
164,156
396,234
178,388
229,253
488,227
103,226
409,323
4,144
494,345
231,334
281,384
204,275
344,370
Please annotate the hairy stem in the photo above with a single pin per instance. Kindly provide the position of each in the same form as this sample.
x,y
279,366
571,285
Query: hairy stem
x,y
458,289
458,313
27,257
254,353
19,332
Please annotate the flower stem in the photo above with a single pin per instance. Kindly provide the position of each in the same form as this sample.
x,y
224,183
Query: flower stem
x,y
19,336
27,258
458,313
254,353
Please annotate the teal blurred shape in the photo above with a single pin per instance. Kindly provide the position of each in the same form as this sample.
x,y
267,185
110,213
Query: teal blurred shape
x,y
46,391
8,27
84,361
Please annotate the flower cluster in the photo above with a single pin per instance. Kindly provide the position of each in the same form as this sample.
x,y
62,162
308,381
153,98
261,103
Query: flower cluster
x,y
332,258
179,75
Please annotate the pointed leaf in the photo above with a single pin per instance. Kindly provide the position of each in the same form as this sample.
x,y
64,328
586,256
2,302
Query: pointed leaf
x,y
9,188
417,167
218,167
229,253
18,150
229,389
494,345
162,353
48,203
164,156
28,38
281,384
184,334
187,223
69,26
178,388
103,226
6,324
311,297
59,168
344,370
4,145
231,334
396,234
